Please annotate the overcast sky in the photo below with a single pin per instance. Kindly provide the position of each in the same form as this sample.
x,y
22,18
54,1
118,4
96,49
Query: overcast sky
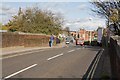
x,y
77,14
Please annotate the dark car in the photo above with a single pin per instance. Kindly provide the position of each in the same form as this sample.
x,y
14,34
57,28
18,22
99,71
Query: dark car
x,y
79,42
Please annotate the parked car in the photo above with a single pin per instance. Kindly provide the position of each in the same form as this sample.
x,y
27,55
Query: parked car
x,y
79,42
69,40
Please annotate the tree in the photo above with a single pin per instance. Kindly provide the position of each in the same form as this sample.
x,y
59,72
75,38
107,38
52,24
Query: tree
x,y
34,20
0,25
67,29
110,10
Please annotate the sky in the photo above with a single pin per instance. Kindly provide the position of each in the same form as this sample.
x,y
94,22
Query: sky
x,y
77,14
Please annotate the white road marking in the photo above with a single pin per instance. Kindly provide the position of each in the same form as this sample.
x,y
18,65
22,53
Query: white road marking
x,y
71,51
78,48
83,47
94,66
55,56
20,54
97,63
21,71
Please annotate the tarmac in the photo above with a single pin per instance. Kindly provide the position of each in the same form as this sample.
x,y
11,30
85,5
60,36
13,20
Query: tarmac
x,y
18,49
102,70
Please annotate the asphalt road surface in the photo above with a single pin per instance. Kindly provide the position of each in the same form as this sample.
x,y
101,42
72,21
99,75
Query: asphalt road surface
x,y
66,62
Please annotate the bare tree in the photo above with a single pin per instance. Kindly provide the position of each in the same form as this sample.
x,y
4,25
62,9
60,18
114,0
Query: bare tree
x,y
110,10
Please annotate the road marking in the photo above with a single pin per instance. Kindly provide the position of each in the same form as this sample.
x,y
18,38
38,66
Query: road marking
x,y
71,51
97,63
20,54
21,71
94,66
83,47
55,56
78,48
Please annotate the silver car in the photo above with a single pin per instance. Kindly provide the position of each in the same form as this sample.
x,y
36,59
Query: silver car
x,y
69,40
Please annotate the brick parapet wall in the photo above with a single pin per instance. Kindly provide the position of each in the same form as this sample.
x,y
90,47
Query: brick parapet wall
x,y
114,52
21,39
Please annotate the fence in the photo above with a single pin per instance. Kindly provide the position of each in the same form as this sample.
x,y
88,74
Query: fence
x,y
22,39
114,52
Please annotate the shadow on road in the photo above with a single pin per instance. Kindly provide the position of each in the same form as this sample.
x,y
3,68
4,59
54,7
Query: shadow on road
x,y
90,72
101,69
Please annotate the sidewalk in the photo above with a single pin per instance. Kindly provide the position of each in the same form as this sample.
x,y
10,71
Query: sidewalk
x,y
18,49
103,70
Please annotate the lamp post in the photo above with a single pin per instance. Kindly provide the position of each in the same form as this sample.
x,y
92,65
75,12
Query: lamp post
x,y
90,37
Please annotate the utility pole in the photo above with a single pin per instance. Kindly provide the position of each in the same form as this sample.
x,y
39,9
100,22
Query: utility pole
x,y
90,37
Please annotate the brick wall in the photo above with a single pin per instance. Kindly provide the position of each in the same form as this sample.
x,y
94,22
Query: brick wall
x,y
27,40
114,52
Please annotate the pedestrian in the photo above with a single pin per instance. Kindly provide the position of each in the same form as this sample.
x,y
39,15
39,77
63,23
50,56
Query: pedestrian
x,y
51,40
57,40
49,43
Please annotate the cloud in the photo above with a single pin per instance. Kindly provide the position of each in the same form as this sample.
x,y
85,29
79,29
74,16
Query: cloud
x,y
87,23
56,11
6,13
82,6
7,10
4,19
55,7
44,0
85,8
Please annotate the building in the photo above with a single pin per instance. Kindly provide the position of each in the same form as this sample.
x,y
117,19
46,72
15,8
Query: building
x,y
84,34
73,33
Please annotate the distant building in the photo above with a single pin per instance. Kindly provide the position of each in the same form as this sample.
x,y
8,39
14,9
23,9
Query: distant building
x,y
73,33
84,34
87,36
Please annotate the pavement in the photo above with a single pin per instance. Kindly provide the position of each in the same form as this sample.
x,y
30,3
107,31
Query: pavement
x,y
103,69
18,49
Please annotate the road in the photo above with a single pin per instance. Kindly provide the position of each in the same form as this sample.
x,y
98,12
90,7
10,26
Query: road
x,y
67,62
